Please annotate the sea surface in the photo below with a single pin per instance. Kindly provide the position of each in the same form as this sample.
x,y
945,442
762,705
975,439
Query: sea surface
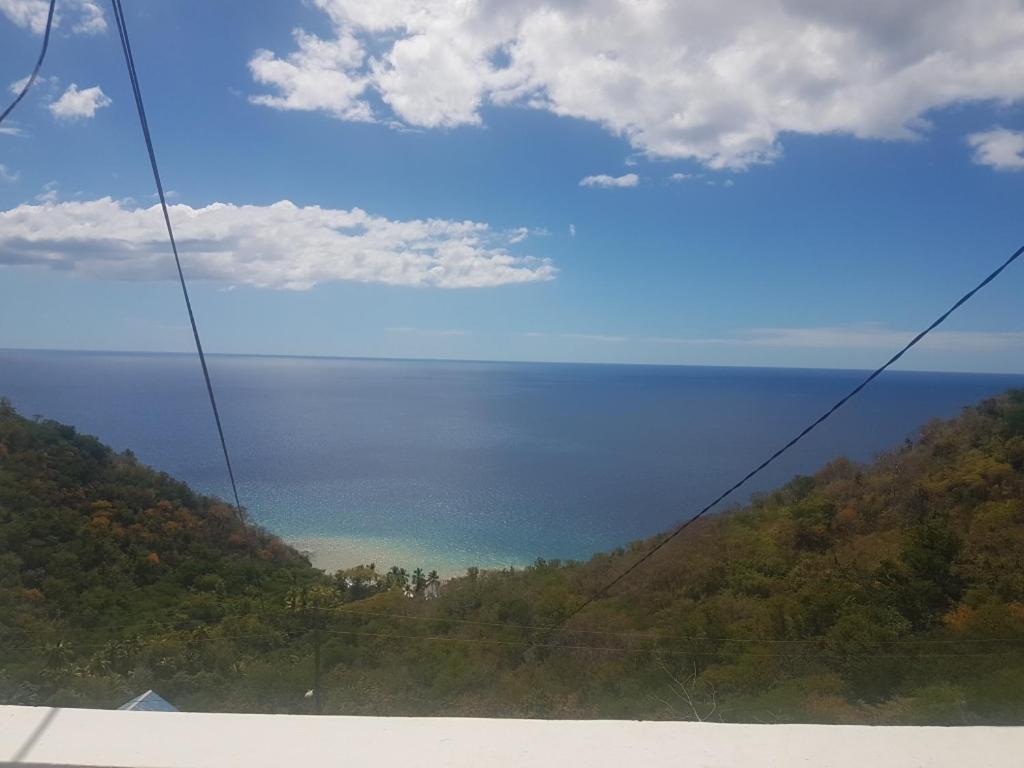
x,y
447,464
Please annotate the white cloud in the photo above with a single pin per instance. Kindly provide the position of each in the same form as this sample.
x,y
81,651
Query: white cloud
x,y
316,77
572,230
441,332
601,338
681,176
999,148
274,246
91,20
17,85
877,336
48,196
26,13
41,81
86,15
718,82
868,336
606,181
864,336
76,105
43,84
8,175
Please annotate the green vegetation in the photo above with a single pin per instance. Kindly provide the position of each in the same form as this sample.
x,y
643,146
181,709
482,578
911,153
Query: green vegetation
x,y
884,593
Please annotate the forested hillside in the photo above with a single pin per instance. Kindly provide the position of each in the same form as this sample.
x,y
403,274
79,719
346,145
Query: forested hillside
x,y
890,592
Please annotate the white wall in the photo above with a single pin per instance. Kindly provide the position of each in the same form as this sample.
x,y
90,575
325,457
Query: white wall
x,y
112,738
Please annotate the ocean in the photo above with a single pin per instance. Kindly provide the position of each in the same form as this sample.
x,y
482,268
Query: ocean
x,y
449,464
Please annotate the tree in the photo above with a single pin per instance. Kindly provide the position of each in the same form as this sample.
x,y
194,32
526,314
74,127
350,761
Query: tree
x,y
311,606
930,584
397,578
419,581
701,702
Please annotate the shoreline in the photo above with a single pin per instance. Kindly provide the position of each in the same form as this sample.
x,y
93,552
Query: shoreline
x,y
333,553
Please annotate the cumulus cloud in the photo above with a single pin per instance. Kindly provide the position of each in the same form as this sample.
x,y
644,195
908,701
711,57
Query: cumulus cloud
x,y
48,194
8,175
877,336
86,16
867,336
26,13
441,332
999,148
79,105
276,246
320,75
718,82
607,182
91,20
17,85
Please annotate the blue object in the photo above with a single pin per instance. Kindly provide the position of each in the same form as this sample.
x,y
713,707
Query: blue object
x,y
150,701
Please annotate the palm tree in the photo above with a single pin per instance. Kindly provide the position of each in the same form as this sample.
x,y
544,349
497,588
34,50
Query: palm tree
x,y
433,588
419,580
310,607
398,577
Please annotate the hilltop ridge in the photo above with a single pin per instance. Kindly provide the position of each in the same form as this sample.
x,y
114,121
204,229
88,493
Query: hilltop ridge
x,y
884,592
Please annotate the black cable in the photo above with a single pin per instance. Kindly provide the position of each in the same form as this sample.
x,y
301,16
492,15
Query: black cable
x,y
687,523
39,64
657,637
122,30
656,651
125,44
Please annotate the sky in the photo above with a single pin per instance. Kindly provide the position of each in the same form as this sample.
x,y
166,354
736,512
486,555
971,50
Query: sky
x,y
737,182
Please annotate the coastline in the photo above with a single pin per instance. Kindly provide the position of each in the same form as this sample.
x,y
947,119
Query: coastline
x,y
333,553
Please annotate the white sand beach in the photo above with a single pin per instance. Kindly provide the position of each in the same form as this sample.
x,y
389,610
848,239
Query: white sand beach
x,y
332,553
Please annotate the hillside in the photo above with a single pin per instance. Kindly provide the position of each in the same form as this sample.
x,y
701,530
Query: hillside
x,y
888,592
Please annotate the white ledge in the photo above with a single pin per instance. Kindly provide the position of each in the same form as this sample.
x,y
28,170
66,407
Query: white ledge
x,y
92,737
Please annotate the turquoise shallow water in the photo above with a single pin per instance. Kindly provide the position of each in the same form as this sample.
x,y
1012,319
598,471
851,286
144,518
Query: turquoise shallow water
x,y
450,463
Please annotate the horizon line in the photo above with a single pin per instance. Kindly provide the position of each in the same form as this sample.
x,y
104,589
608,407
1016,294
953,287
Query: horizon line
x,y
485,361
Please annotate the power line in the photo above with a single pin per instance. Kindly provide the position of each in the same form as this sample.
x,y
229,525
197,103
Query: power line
x,y
656,651
126,46
39,63
875,374
174,628
658,636
122,30
266,613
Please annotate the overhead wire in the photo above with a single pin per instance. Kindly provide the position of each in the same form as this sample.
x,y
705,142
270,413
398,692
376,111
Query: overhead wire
x,y
559,626
803,433
658,636
175,628
657,651
122,31
129,60
264,613
39,64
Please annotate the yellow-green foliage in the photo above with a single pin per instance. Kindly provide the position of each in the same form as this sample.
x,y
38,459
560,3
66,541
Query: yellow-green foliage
x,y
890,592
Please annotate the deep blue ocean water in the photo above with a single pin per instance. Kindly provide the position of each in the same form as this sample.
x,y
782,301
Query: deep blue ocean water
x,y
485,462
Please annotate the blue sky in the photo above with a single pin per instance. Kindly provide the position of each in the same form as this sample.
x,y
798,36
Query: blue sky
x,y
768,187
